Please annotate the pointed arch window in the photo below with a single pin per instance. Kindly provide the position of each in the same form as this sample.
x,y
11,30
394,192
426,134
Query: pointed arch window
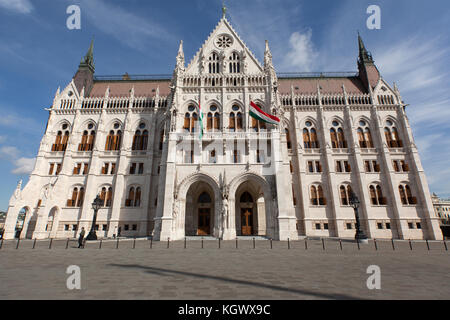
x,y
406,195
213,65
235,120
114,139
234,65
392,135
364,135
62,138
310,140
376,195
77,197
337,136
345,191
317,196
288,139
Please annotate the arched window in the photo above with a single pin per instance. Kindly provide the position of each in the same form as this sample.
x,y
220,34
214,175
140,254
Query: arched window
x,y
87,140
234,64
62,137
406,195
288,139
114,138
213,119
376,195
317,195
137,200
136,140
364,136
129,202
392,136
337,136
345,192
235,120
77,198
213,65
310,136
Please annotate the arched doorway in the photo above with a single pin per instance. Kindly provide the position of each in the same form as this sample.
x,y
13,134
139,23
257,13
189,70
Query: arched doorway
x,y
199,213
20,222
251,212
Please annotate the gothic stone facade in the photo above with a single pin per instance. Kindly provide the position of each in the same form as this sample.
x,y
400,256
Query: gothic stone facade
x,y
135,142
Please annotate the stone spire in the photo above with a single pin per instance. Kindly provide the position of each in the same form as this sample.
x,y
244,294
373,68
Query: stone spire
x,y
88,60
267,56
180,57
364,55
84,78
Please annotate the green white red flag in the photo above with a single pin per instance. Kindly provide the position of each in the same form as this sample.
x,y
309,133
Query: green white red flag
x,y
260,115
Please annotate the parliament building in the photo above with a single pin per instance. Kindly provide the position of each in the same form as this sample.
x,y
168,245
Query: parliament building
x,y
180,156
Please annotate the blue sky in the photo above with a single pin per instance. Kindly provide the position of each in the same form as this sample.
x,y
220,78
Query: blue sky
x,y
38,54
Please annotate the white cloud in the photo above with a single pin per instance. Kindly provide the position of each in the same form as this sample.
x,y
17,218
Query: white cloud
x,y
19,6
24,165
416,63
2,139
302,54
9,153
123,25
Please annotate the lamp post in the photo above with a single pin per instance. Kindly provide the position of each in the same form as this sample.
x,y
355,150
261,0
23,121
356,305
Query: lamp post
x,y
354,202
95,205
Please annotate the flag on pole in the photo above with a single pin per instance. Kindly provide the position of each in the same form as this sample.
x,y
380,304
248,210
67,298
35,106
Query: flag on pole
x,y
260,115
200,118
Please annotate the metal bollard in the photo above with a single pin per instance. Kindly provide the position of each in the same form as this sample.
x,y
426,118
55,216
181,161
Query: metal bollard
x,y
340,243
393,245
219,243
410,244
236,243
323,244
254,245
50,244
289,244
117,243
428,246
17,245
151,243
202,242
185,242
100,244
67,243
375,243
271,247
168,243
34,243
134,243
357,241
306,245
445,245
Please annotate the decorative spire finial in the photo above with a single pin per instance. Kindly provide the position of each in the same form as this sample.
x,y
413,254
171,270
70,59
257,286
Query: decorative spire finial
x,y
364,55
224,9
88,60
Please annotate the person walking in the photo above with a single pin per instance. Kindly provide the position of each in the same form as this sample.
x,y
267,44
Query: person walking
x,y
80,239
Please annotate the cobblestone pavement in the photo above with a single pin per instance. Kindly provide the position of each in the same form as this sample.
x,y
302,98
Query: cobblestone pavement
x,y
226,273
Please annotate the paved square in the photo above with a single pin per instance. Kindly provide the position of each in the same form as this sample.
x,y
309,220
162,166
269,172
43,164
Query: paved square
x,y
226,273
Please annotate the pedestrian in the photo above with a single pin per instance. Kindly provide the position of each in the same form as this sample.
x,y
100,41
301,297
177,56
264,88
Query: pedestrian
x,y
80,239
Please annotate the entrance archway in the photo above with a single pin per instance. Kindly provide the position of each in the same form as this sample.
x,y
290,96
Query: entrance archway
x,y
253,207
199,212
20,222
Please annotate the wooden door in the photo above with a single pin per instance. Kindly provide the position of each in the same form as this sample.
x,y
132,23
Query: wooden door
x,y
247,222
203,222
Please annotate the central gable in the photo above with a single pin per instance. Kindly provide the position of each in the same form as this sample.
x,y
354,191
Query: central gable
x,y
220,46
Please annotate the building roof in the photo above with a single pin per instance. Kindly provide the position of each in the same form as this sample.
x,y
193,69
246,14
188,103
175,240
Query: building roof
x,y
122,88
328,85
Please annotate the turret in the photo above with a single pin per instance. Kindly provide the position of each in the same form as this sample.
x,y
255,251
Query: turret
x,y
368,72
84,78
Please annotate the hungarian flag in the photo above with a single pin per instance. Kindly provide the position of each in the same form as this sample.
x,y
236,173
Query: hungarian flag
x,y
260,115
200,118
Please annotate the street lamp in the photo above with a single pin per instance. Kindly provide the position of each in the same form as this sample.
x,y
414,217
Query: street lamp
x,y
354,202
95,205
